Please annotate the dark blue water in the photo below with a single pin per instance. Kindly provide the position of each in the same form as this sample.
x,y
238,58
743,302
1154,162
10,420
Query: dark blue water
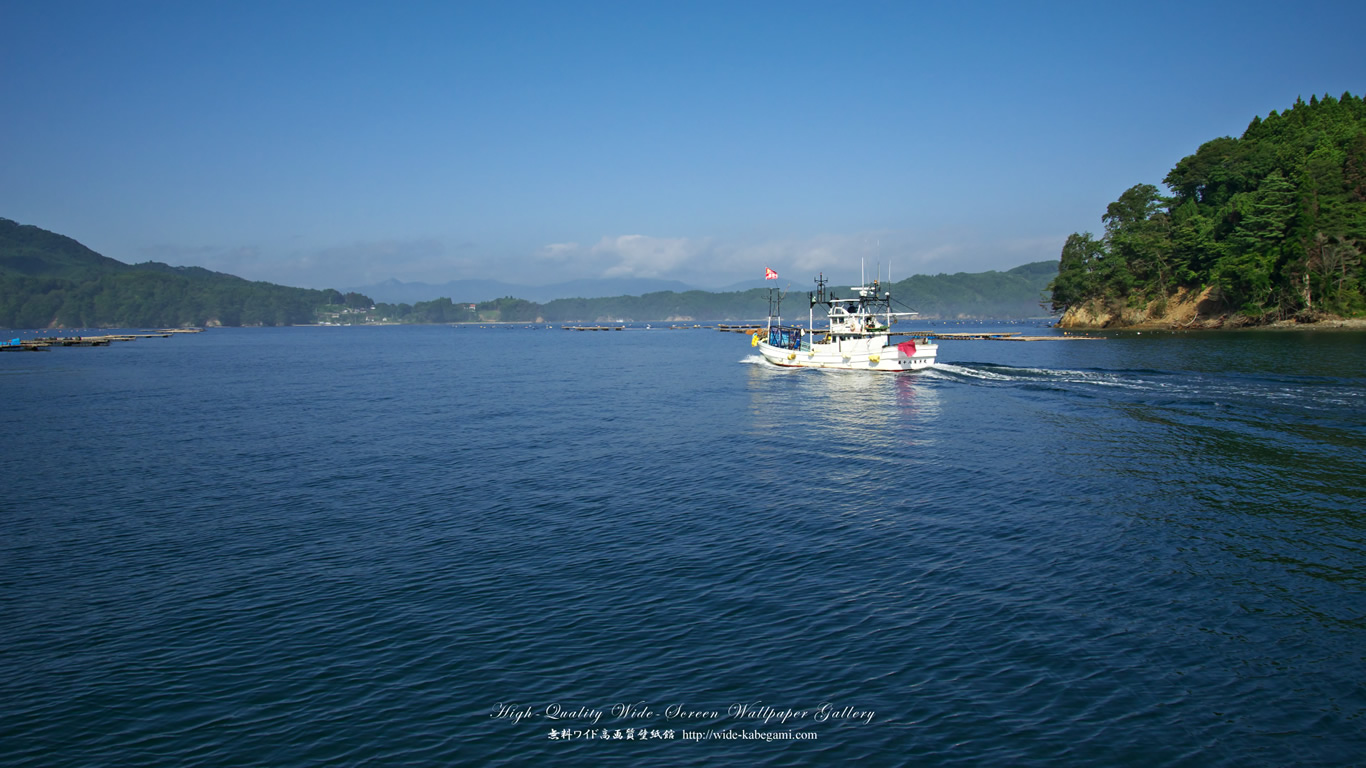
x,y
434,545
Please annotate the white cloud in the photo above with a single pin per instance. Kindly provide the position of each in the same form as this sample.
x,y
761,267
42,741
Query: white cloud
x,y
559,251
644,256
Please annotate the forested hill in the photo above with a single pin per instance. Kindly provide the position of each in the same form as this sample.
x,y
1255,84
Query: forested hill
x,y
1015,293
49,280
28,250
1264,227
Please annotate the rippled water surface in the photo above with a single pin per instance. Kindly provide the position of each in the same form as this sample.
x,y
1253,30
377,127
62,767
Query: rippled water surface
x,y
509,546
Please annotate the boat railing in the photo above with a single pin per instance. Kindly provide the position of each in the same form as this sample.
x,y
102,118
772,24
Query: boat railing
x,y
788,337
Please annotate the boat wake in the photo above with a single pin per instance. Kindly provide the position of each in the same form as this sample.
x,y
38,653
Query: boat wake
x,y
1005,374
1141,385
961,372
1177,388
991,373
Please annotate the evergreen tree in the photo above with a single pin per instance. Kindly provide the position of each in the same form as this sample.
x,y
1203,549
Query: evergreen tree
x,y
1275,220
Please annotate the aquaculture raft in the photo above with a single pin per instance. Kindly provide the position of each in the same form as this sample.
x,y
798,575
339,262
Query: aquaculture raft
x,y
43,343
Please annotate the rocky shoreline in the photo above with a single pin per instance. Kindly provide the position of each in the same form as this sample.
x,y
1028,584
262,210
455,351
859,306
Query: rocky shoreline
x,y
1189,311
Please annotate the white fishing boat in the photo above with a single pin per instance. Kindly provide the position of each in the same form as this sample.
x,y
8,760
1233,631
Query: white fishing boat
x,y
858,334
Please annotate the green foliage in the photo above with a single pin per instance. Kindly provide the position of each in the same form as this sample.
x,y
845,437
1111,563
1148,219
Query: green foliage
x,y
1077,279
51,281
142,299
28,250
1275,220
438,311
355,300
1015,293
510,310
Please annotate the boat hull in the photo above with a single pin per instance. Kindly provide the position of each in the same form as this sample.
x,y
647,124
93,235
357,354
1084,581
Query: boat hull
x,y
853,355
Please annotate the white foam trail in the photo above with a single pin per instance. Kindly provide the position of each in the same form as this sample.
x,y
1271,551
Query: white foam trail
x,y
974,373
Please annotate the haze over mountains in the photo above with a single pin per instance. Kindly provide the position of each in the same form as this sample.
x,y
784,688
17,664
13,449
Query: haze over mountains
x,y
398,292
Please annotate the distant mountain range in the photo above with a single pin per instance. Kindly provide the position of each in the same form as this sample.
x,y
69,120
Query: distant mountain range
x,y
473,291
396,292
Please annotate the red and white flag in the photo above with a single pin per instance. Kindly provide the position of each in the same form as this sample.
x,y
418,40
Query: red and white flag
x,y
770,274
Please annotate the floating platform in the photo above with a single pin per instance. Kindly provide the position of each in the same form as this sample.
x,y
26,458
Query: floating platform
x,y
42,343
594,327
80,341
27,345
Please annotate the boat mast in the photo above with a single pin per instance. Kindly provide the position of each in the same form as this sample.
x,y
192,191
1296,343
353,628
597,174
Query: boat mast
x,y
817,298
889,296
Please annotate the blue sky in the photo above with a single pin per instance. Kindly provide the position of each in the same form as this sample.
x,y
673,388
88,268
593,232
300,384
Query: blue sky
x,y
340,144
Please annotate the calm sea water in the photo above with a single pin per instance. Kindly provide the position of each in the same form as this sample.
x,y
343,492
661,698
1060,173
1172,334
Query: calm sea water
x,y
510,546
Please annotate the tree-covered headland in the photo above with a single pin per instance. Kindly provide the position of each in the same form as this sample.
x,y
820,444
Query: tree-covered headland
x,y
1270,226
